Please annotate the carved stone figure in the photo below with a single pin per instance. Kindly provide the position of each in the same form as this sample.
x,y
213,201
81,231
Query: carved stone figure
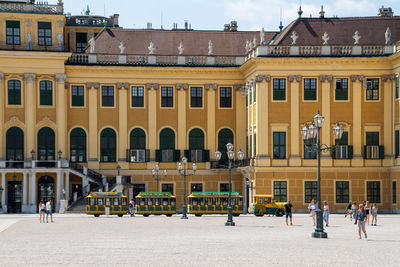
x,y
60,41
29,39
247,46
92,44
181,48
210,48
325,37
262,37
356,38
122,47
254,42
388,36
151,48
294,37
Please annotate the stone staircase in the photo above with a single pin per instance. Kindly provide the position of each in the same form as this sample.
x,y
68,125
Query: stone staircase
x,y
78,206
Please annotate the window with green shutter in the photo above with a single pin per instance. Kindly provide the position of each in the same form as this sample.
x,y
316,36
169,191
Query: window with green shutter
x,y
341,89
196,139
374,192
13,32
280,191
396,144
279,142
78,96
310,89
14,92
342,192
167,139
397,86
44,33
108,145
372,89
46,93
310,191
279,89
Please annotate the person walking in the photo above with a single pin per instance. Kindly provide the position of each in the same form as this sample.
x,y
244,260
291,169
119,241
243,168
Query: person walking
x,y
374,214
353,212
49,210
348,210
42,210
132,207
361,218
326,212
312,208
288,211
367,208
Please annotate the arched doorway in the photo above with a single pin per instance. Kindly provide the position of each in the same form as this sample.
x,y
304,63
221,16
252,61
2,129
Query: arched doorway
x,y
108,145
46,144
137,152
167,146
196,146
46,189
78,145
15,144
225,136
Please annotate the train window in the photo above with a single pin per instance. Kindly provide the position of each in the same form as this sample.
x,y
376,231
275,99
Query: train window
x,y
142,202
172,202
92,201
100,201
194,201
150,201
240,202
267,201
165,202
224,202
115,202
124,201
261,200
202,200
209,201
218,201
108,202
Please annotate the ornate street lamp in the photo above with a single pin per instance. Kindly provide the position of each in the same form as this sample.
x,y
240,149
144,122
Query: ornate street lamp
x,y
311,138
59,154
182,169
118,169
231,156
156,174
33,154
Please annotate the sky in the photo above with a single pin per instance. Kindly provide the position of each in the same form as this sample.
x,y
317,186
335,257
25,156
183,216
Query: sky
x,y
213,14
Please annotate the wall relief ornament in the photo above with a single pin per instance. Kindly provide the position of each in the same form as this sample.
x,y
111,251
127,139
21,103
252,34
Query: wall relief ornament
x,y
123,86
212,86
294,78
183,86
14,121
92,85
325,78
357,78
260,78
153,86
388,77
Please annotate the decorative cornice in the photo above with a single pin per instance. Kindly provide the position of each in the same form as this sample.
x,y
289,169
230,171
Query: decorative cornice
x,y
357,78
92,85
60,77
29,77
325,78
294,78
153,86
123,86
388,77
209,86
183,86
260,78
238,86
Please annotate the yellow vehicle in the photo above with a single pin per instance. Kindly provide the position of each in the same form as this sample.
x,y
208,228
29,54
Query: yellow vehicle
x,y
100,202
214,203
156,203
264,204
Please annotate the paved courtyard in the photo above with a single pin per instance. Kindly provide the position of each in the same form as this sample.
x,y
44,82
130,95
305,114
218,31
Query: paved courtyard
x,y
77,240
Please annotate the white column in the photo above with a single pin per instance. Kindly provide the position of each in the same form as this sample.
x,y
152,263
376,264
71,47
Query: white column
x,y
24,190
58,190
3,195
67,186
32,191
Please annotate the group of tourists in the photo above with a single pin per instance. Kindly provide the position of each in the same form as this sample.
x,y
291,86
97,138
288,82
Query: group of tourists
x,y
370,211
45,210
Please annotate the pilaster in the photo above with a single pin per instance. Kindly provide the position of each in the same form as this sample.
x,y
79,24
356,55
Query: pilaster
x,y
294,159
30,113
357,81
123,123
61,114
2,105
58,190
211,106
93,161
326,80
240,119
263,158
3,195
32,190
67,186
152,104
388,131
181,88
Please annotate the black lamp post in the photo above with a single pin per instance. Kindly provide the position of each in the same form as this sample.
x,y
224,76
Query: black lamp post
x,y
156,174
231,156
311,137
1,193
182,169
59,154
33,154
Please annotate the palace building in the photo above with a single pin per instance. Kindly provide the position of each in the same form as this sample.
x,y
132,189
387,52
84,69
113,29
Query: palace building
x,y
88,105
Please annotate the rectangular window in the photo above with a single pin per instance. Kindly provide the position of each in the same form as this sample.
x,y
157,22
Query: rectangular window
x,y
14,92
309,154
344,141
394,192
310,89
167,188
280,191
279,89
107,96
78,96
372,138
224,187
374,192
396,144
196,188
46,93
397,86
310,191
279,145
225,97
372,89
167,97
196,97
81,41
137,96
13,32
341,89
342,192
44,33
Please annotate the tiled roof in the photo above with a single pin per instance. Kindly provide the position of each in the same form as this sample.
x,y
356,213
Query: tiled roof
x,y
225,43
341,30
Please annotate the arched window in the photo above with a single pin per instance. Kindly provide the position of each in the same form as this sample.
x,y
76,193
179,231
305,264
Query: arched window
x,y
78,145
196,139
46,189
46,144
138,139
15,144
167,139
14,92
108,145
225,136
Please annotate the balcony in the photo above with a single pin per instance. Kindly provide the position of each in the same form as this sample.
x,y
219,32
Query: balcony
x,y
374,152
197,155
168,155
41,8
137,155
343,152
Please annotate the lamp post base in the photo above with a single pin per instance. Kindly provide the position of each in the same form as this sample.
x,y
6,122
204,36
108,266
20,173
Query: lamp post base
x,y
228,223
184,217
184,212
319,235
319,230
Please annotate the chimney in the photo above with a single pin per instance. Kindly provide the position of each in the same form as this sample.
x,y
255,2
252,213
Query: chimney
x,y
227,27
186,25
234,26
115,19
149,25
385,12
322,13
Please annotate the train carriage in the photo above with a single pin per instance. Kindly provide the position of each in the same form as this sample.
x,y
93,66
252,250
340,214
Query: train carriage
x,y
99,202
156,203
200,203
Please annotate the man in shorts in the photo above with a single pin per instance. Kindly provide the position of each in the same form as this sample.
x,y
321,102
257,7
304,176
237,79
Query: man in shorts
x,y
49,211
288,211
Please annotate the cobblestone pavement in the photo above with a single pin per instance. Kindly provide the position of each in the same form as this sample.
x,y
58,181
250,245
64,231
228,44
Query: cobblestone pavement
x,y
77,240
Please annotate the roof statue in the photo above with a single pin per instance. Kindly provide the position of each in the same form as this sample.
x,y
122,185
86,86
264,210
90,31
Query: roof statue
x,y
356,38
262,37
388,36
151,48
181,48
210,48
29,40
325,37
122,47
247,46
60,41
294,37
254,42
87,12
92,44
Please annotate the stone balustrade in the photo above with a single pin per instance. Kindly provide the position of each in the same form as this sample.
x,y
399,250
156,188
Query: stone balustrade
x,y
40,7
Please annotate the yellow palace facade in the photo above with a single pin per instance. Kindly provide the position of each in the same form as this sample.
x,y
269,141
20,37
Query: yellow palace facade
x,y
87,105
